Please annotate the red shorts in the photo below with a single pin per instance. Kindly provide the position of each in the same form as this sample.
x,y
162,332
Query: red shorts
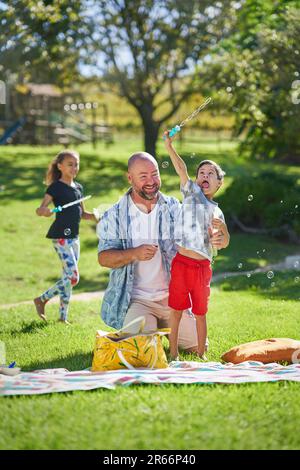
x,y
190,284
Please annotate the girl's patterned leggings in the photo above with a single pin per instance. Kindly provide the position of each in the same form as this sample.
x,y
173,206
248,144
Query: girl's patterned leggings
x,y
68,251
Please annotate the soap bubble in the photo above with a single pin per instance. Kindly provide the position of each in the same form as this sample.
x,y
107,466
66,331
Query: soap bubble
x,y
165,164
270,274
67,231
250,197
296,206
264,250
240,265
281,202
273,284
296,264
193,155
248,274
297,279
2,187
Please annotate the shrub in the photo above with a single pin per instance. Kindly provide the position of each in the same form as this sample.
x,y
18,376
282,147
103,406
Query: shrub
x,y
268,201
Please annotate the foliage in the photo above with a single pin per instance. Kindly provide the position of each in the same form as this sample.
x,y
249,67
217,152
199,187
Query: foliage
x,y
149,49
159,54
40,40
267,200
255,73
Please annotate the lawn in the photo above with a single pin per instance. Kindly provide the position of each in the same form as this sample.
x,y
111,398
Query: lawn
x,y
252,416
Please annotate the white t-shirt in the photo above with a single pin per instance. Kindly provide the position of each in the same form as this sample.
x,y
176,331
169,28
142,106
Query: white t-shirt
x,y
150,281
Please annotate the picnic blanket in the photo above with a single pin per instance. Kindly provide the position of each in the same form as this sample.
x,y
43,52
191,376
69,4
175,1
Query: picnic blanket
x,y
179,372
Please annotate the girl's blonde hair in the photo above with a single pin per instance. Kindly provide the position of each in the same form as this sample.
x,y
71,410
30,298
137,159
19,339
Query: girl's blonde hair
x,y
53,173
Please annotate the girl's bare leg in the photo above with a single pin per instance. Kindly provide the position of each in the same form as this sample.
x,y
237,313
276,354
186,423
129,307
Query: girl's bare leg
x,y
40,307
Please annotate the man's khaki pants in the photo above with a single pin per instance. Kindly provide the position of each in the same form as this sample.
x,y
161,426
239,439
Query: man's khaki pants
x,y
157,315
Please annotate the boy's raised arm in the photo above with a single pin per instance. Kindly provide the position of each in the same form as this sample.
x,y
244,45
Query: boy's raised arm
x,y
178,163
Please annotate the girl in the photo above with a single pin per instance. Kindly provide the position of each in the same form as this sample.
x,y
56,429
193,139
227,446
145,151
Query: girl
x,y
61,190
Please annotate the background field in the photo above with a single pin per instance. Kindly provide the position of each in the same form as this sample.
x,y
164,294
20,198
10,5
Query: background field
x,y
29,263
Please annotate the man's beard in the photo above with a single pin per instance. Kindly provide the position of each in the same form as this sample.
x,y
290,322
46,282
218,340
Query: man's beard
x,y
148,196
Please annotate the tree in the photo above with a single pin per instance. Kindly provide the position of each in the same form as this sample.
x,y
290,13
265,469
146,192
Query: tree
x,y
256,73
150,51
41,40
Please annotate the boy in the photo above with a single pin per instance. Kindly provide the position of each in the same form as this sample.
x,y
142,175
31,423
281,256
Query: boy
x,y
201,231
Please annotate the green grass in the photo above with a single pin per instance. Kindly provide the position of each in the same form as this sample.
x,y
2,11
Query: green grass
x,y
250,416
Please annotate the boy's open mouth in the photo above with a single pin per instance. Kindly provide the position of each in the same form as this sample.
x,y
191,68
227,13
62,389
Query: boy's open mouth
x,y
205,185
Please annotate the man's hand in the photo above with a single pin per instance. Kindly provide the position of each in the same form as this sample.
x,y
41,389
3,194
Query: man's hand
x,y
118,258
216,238
219,236
218,224
145,252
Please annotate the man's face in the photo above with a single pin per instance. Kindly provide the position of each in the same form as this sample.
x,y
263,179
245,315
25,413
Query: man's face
x,y
207,179
145,179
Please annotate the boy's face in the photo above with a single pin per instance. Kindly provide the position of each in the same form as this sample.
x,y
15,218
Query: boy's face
x,y
208,181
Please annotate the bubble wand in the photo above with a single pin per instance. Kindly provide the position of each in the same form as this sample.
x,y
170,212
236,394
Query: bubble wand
x,y
177,128
60,208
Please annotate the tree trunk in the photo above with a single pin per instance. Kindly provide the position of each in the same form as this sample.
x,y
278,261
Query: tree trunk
x,y
151,129
150,137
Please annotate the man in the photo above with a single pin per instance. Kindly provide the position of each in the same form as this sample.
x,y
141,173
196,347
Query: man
x,y
136,240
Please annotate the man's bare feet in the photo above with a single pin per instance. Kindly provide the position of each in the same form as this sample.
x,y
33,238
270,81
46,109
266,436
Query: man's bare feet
x,y
66,322
40,308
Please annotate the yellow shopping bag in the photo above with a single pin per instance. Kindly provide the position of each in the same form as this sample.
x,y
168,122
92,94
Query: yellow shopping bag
x,y
121,350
